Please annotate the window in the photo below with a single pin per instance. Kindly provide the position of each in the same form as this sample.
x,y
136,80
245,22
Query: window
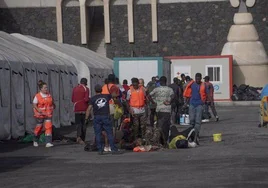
x,y
214,72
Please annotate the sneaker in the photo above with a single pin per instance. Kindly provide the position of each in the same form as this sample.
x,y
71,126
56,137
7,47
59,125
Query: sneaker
x,y
192,144
49,145
100,152
35,144
217,118
205,120
107,148
118,152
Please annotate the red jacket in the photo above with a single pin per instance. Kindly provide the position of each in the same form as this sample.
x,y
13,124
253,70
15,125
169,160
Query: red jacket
x,y
80,98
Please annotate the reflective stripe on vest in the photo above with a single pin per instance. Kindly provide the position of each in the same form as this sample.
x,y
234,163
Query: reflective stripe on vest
x,y
137,98
45,104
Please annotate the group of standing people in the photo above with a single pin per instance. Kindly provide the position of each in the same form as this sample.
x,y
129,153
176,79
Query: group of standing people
x,y
151,108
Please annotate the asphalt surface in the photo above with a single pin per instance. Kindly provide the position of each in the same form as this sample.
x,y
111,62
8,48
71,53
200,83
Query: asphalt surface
x,y
240,160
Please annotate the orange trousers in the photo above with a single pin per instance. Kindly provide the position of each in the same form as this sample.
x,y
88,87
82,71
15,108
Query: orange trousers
x,y
39,127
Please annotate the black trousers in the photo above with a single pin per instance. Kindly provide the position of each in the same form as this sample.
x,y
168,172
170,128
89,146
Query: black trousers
x,y
81,126
163,124
152,114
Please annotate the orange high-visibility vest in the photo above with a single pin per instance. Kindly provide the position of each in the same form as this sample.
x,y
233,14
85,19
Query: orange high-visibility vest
x,y
137,98
45,104
188,91
106,91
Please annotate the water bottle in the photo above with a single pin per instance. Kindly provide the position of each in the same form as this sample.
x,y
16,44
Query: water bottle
x,y
182,120
187,119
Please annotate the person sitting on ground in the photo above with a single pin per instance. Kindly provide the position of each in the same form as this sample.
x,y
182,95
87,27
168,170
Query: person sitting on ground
x,y
196,95
100,106
210,101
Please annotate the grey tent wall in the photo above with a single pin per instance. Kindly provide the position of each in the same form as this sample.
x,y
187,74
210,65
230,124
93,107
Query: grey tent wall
x,y
5,102
73,83
17,95
22,64
30,80
57,69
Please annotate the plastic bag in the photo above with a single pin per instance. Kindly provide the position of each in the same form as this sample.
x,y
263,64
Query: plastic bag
x,y
118,112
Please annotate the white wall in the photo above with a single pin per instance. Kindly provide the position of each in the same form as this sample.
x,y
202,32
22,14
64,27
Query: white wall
x,y
193,66
145,69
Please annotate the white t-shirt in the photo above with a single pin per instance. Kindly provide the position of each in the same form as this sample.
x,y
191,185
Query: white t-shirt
x,y
136,110
35,101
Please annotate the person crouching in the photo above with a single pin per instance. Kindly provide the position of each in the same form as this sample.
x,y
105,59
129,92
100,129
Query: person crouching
x,y
100,105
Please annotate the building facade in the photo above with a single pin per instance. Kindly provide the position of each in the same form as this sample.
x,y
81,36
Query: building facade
x,y
124,28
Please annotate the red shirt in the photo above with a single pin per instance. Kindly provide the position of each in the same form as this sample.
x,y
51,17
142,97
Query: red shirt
x,y
126,87
80,98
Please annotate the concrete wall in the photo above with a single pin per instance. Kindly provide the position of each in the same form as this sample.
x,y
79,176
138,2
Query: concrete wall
x,y
39,22
183,28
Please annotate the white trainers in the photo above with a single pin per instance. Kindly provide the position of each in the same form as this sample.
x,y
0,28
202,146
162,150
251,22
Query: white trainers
x,y
205,120
192,144
35,144
49,145
107,148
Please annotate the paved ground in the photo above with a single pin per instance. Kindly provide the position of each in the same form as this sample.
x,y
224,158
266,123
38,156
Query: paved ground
x,y
240,160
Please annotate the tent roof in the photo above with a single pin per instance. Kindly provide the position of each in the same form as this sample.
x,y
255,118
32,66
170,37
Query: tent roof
x,y
28,53
90,58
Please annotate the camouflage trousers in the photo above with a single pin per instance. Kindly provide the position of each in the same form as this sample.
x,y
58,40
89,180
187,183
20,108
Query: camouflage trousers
x,y
152,136
139,123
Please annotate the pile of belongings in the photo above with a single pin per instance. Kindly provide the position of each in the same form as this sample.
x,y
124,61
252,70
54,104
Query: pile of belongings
x,y
246,93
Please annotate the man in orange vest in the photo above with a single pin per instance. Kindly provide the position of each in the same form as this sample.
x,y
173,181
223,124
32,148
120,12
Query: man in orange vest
x,y
210,100
111,89
196,94
136,98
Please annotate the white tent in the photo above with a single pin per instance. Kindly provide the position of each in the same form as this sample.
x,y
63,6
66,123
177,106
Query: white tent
x,y
88,63
26,60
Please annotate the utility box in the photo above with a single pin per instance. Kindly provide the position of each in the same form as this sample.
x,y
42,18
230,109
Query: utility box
x,y
218,68
142,67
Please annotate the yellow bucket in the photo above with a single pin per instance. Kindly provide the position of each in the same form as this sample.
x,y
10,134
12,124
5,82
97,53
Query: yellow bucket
x,y
217,137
